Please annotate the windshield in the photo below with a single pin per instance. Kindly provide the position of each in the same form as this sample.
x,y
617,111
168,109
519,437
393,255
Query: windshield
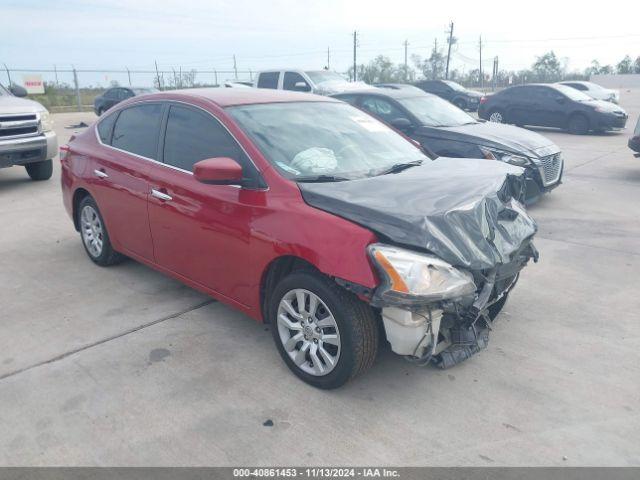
x,y
454,85
142,91
573,94
324,140
436,112
321,76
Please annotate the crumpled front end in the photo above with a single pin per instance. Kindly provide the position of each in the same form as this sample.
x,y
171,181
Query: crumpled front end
x,y
449,330
453,236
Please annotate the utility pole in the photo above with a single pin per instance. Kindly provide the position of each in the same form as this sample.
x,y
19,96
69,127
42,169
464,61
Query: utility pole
x,y
77,85
495,73
328,59
128,75
406,70
355,44
446,73
481,76
235,67
55,71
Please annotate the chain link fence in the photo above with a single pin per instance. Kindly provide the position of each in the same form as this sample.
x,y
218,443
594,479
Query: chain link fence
x,y
73,89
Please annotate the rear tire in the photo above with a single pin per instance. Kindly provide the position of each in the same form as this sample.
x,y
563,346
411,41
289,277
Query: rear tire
x,y
497,116
337,331
578,124
40,170
94,235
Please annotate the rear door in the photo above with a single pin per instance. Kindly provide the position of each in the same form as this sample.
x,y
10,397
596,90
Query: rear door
x,y
200,231
119,172
268,80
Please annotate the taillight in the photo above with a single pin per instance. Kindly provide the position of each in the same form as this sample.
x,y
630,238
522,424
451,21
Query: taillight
x,y
64,152
483,100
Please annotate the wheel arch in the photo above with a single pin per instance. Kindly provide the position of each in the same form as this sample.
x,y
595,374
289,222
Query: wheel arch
x,y
275,271
78,195
579,113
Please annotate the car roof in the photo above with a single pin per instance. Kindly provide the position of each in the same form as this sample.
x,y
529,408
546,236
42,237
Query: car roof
x,y
227,97
387,90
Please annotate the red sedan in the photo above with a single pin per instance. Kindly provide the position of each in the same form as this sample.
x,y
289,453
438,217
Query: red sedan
x,y
302,212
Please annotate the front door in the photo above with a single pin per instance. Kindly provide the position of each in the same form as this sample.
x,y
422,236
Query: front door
x,y
200,231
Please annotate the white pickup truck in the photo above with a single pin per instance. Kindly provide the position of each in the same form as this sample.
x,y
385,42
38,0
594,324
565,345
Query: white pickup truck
x,y
321,82
26,134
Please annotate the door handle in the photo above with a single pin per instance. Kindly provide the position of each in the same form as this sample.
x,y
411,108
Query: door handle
x,y
160,195
100,174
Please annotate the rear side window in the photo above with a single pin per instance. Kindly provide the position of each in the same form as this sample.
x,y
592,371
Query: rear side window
x,y
268,80
137,130
105,127
193,136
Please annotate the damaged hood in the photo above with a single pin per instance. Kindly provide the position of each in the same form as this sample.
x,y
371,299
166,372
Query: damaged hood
x,y
462,210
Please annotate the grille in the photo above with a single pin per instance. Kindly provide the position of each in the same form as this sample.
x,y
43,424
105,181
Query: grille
x,y
22,125
550,168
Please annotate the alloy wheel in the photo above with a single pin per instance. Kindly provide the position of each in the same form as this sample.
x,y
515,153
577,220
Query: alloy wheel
x,y
496,117
308,332
92,231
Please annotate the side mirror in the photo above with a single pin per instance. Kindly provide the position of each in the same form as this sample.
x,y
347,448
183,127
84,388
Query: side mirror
x,y
18,91
402,124
301,87
218,171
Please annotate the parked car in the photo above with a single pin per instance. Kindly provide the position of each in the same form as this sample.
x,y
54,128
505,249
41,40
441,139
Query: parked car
x,y
453,92
308,214
594,90
447,131
552,105
634,141
26,134
115,95
321,82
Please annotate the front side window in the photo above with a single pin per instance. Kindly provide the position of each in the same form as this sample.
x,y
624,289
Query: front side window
x,y
382,109
435,112
193,136
454,86
105,127
268,80
291,78
309,141
137,130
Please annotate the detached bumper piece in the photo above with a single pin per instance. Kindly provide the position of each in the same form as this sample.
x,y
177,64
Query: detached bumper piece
x,y
449,332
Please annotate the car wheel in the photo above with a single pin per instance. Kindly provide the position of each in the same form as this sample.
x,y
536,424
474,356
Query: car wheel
x,y
40,170
578,124
461,104
497,116
95,237
325,335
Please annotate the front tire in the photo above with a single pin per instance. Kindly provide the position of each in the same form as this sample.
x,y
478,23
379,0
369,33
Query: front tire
x,y
95,237
40,170
324,334
578,125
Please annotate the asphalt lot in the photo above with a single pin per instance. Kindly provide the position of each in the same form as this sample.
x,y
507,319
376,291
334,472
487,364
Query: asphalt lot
x,y
123,366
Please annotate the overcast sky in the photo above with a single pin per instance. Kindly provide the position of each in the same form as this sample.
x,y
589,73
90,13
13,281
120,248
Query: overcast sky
x,y
205,34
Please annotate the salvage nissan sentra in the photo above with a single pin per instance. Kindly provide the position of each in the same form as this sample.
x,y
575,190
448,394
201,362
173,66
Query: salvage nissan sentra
x,y
308,214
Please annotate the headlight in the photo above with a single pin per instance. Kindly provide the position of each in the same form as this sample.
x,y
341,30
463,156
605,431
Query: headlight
x,y
415,278
494,154
46,123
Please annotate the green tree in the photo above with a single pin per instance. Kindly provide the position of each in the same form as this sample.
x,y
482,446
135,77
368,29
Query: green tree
x,y
433,67
625,65
547,68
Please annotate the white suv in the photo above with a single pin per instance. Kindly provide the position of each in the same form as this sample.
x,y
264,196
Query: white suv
x,y
321,82
26,134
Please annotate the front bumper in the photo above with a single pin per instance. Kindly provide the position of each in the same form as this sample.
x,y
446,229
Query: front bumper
x,y
610,121
543,176
21,151
448,332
